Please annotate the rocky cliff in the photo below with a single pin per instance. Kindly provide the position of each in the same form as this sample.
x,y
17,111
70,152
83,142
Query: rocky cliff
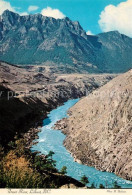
x,y
99,129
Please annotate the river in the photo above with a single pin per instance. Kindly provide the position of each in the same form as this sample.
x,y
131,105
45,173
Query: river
x,y
52,140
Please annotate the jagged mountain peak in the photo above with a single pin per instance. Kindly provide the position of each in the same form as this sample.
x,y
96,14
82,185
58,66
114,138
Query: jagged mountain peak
x,y
8,13
9,17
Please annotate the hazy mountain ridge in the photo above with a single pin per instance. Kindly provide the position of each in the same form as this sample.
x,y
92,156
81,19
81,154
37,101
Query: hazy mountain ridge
x,y
61,43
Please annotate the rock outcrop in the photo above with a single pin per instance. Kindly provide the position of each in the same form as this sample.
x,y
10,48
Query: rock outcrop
x,y
99,129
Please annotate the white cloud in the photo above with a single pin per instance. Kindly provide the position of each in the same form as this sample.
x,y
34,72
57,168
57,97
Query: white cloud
x,y
117,18
23,13
89,32
5,5
32,8
55,13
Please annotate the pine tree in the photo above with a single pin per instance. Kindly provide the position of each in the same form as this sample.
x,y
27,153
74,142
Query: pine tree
x,y
101,186
116,186
84,180
92,186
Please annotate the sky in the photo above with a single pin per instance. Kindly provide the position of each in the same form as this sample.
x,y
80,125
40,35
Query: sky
x,y
95,16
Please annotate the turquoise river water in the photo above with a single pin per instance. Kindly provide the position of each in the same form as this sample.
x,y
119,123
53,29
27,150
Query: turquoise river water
x,y
52,140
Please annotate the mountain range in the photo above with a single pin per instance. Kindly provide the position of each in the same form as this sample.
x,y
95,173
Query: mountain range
x,y
63,44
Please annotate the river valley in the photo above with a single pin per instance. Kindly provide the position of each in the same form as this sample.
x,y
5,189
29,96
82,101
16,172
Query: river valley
x,y
52,140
